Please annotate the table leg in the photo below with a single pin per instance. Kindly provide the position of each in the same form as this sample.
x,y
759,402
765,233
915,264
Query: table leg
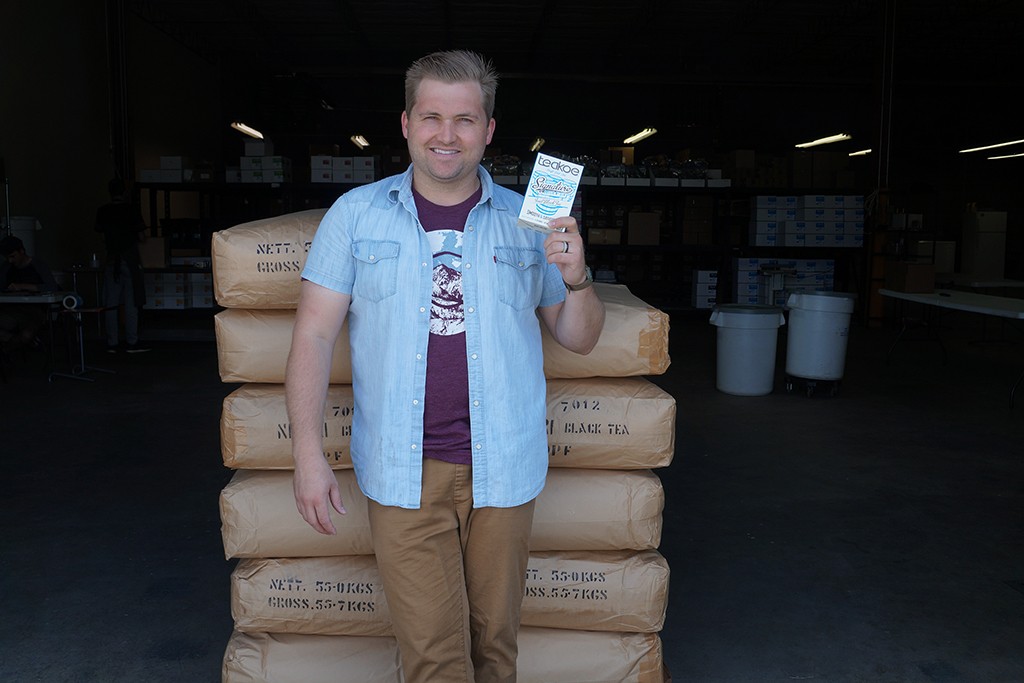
x,y
906,321
78,371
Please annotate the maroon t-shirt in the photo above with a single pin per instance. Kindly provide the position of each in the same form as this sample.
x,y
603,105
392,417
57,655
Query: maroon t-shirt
x,y
446,434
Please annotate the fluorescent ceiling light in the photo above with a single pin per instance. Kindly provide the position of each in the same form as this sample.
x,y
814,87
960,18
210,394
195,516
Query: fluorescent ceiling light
x,y
839,137
248,130
359,141
1008,156
645,133
1001,144
537,144
861,153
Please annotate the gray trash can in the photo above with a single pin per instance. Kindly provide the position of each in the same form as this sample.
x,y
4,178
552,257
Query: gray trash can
x,y
819,326
747,339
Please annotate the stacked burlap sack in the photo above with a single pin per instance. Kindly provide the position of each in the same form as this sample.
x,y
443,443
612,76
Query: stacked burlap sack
x,y
310,608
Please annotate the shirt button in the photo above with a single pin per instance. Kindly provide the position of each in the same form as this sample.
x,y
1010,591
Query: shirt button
x,y
414,446
471,228
478,446
422,309
372,257
476,403
419,356
471,309
469,265
521,264
473,356
415,401
424,264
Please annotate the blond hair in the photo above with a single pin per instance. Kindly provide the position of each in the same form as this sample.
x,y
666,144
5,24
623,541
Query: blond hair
x,y
453,66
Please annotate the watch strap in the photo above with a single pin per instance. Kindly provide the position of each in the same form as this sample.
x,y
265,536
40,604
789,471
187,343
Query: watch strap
x,y
587,282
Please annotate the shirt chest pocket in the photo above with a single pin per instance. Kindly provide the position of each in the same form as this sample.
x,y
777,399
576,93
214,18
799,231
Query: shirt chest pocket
x,y
520,273
376,269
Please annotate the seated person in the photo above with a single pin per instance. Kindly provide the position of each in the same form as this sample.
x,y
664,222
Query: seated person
x,y
21,273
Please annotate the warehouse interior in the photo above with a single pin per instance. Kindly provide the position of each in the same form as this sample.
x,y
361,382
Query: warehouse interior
x,y
867,533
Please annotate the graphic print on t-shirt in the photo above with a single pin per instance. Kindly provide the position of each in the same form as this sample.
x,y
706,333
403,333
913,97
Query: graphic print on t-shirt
x,y
446,313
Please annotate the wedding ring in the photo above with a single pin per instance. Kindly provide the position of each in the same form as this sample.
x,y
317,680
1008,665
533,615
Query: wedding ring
x,y
565,247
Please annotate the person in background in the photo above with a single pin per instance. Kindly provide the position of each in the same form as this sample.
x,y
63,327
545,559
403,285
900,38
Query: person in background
x,y
444,296
22,273
122,226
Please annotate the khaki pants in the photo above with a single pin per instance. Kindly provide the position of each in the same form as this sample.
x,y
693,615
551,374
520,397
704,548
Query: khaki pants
x,y
454,578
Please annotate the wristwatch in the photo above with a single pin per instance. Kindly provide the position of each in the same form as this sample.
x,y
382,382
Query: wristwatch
x,y
589,280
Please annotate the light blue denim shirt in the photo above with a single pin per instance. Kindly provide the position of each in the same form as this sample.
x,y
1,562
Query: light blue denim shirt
x,y
371,245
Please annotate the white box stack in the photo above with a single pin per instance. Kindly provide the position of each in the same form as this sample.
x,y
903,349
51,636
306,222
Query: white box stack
x,y
177,290
807,221
705,289
167,291
364,169
753,286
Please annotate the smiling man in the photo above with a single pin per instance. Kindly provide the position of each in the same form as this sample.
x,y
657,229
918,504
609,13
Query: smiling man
x,y
444,296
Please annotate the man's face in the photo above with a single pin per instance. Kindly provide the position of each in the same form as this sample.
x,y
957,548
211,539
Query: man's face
x,y
447,131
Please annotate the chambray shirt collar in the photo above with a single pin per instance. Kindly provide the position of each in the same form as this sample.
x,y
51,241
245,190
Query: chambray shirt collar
x,y
402,190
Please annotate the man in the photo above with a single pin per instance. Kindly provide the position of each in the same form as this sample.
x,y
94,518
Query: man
x,y
121,224
442,291
21,273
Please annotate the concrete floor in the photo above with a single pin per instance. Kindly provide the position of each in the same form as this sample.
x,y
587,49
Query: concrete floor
x,y
877,535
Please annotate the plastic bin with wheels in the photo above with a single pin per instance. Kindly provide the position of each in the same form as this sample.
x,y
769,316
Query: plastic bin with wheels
x,y
747,339
819,326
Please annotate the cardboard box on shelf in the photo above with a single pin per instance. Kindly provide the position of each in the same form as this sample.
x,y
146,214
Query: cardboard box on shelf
x,y
172,301
643,228
277,175
394,162
942,253
907,221
321,175
161,175
908,276
703,302
172,163
153,252
604,236
276,163
259,148
705,276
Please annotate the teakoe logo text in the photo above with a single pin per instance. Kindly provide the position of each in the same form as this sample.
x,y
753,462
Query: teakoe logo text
x,y
558,165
